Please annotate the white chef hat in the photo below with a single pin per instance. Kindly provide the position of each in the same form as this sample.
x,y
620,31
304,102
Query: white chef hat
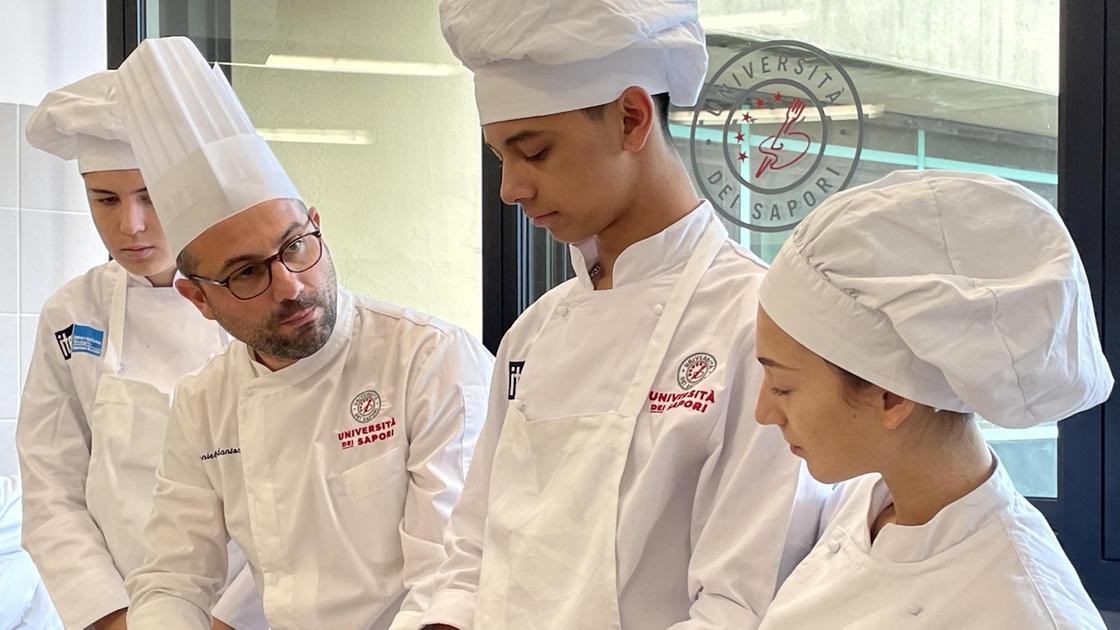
x,y
81,121
200,155
541,57
960,291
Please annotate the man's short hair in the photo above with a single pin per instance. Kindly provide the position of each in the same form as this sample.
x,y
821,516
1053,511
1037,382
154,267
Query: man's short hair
x,y
186,263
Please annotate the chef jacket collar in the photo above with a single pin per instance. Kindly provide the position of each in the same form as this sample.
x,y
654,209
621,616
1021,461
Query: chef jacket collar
x,y
948,528
138,281
649,257
314,364
134,280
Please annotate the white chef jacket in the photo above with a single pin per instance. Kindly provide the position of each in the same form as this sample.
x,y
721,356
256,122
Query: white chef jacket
x,y
987,561
53,436
335,474
24,603
712,506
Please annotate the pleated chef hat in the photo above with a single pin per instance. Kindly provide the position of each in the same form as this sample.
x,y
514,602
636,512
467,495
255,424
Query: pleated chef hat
x,y
960,291
201,157
541,57
81,121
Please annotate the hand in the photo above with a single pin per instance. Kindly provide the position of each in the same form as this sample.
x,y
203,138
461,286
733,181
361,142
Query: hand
x,y
112,621
221,625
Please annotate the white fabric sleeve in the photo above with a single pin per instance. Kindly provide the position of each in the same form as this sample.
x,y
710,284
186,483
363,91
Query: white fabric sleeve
x,y
754,517
53,440
240,606
445,409
185,540
456,583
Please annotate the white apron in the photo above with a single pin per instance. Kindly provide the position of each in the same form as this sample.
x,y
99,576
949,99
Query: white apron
x,y
548,558
127,426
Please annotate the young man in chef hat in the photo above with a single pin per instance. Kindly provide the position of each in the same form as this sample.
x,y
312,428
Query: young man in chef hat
x,y
895,315
620,481
331,439
112,344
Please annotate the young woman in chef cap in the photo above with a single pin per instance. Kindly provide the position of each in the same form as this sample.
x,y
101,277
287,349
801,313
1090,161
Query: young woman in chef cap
x,y
895,317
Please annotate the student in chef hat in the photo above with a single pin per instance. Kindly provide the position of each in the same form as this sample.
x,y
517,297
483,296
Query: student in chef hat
x,y
112,344
670,505
896,316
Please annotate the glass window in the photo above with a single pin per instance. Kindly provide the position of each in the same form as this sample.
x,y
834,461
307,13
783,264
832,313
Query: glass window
x,y
375,121
804,99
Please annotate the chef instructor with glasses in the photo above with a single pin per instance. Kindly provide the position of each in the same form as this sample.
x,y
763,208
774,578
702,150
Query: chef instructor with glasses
x,y
331,439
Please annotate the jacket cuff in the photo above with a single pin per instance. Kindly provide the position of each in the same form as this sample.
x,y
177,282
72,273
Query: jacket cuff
x,y
451,607
97,596
168,613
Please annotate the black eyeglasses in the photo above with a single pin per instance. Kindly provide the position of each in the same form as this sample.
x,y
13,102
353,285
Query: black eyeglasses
x,y
297,255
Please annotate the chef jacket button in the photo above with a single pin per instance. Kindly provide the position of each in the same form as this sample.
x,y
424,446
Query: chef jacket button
x,y
657,308
914,610
562,311
834,547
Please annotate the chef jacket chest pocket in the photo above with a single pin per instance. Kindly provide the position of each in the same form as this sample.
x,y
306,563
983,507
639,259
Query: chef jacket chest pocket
x,y
386,472
368,501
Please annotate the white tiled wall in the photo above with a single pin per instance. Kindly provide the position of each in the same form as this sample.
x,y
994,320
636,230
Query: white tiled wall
x,y
9,156
46,238
54,247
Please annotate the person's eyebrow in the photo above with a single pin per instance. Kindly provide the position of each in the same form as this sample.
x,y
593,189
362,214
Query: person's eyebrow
x,y
522,136
102,191
774,364
295,225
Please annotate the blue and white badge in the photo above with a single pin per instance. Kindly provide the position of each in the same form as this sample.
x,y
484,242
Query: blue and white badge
x,y
79,338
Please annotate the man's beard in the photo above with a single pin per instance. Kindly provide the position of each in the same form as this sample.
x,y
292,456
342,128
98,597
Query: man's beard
x,y
266,338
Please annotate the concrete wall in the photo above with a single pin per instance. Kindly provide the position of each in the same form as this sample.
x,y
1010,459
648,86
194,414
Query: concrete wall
x,y
1013,42
401,214
48,43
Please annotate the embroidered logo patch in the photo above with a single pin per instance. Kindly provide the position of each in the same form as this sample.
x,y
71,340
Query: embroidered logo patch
x,y
78,338
515,368
695,369
365,406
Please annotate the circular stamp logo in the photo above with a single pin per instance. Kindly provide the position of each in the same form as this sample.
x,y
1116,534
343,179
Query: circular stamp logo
x,y
694,369
365,406
777,129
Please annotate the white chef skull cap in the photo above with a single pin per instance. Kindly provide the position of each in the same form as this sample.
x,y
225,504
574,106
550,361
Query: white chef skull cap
x,y
200,155
82,122
959,291
542,57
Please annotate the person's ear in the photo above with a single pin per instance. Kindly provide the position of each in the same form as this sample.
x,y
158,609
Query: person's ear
x,y
639,118
313,214
894,410
191,290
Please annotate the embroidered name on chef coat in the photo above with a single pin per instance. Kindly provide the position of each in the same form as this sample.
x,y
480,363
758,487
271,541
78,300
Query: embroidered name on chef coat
x,y
79,338
216,453
368,434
